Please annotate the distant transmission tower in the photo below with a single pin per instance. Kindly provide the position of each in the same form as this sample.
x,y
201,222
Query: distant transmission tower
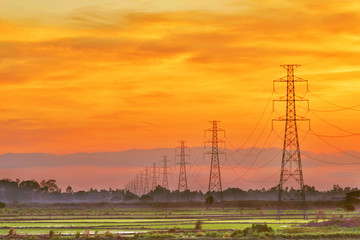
x,y
182,184
137,185
141,192
165,182
215,186
291,186
146,182
154,178
133,186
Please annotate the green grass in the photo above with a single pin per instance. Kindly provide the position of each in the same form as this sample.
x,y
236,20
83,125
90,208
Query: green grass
x,y
64,220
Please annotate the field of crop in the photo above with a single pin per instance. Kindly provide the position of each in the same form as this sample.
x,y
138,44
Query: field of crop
x,y
69,221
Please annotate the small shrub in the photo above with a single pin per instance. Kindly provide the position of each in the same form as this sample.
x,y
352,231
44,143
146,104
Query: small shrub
x,y
12,232
212,234
2,205
108,234
237,233
226,235
198,225
77,235
200,234
349,207
255,229
259,228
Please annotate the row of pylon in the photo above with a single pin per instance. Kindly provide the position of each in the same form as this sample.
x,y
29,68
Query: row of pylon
x,y
291,176
140,185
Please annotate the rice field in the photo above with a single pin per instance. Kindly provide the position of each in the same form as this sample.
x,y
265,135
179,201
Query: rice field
x,y
69,221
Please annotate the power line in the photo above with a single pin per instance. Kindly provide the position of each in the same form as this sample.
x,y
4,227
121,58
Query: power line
x,y
340,150
336,105
257,123
330,124
332,136
323,161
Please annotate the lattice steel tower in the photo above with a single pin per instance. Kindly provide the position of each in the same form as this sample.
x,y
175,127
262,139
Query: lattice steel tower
x,y
141,185
291,186
165,182
154,178
215,185
146,182
182,184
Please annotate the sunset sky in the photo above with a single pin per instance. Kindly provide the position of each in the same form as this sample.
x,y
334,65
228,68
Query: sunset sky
x,y
109,76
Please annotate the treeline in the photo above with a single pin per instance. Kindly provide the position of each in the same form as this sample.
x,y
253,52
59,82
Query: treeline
x,y
47,191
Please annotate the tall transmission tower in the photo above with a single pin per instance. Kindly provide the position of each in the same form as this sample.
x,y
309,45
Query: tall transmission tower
x,y
146,182
215,186
182,184
154,177
165,182
291,185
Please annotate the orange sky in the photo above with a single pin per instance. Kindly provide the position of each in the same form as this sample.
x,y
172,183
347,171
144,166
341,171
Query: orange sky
x,y
87,76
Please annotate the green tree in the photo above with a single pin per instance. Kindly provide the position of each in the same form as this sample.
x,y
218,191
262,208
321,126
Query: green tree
x,y
49,186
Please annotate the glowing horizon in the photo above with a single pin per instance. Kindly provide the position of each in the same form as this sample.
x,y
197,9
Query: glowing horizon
x,y
95,76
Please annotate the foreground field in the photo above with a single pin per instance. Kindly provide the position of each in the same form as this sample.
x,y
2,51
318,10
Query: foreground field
x,y
115,221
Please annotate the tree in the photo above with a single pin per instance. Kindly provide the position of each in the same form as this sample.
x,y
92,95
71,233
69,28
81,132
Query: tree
x,y
49,186
350,199
309,189
69,190
337,189
209,201
30,185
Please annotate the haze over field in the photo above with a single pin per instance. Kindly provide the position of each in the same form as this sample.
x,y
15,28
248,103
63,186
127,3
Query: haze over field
x,y
83,171
102,77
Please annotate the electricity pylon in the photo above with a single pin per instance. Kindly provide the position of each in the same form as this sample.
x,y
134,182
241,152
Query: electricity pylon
x,y
165,182
137,186
215,186
154,177
291,185
146,182
141,192
182,184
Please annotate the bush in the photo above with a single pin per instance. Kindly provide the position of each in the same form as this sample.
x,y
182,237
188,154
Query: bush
x,y
259,228
2,205
212,234
12,232
200,234
51,234
237,233
108,234
349,207
226,235
77,235
255,229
